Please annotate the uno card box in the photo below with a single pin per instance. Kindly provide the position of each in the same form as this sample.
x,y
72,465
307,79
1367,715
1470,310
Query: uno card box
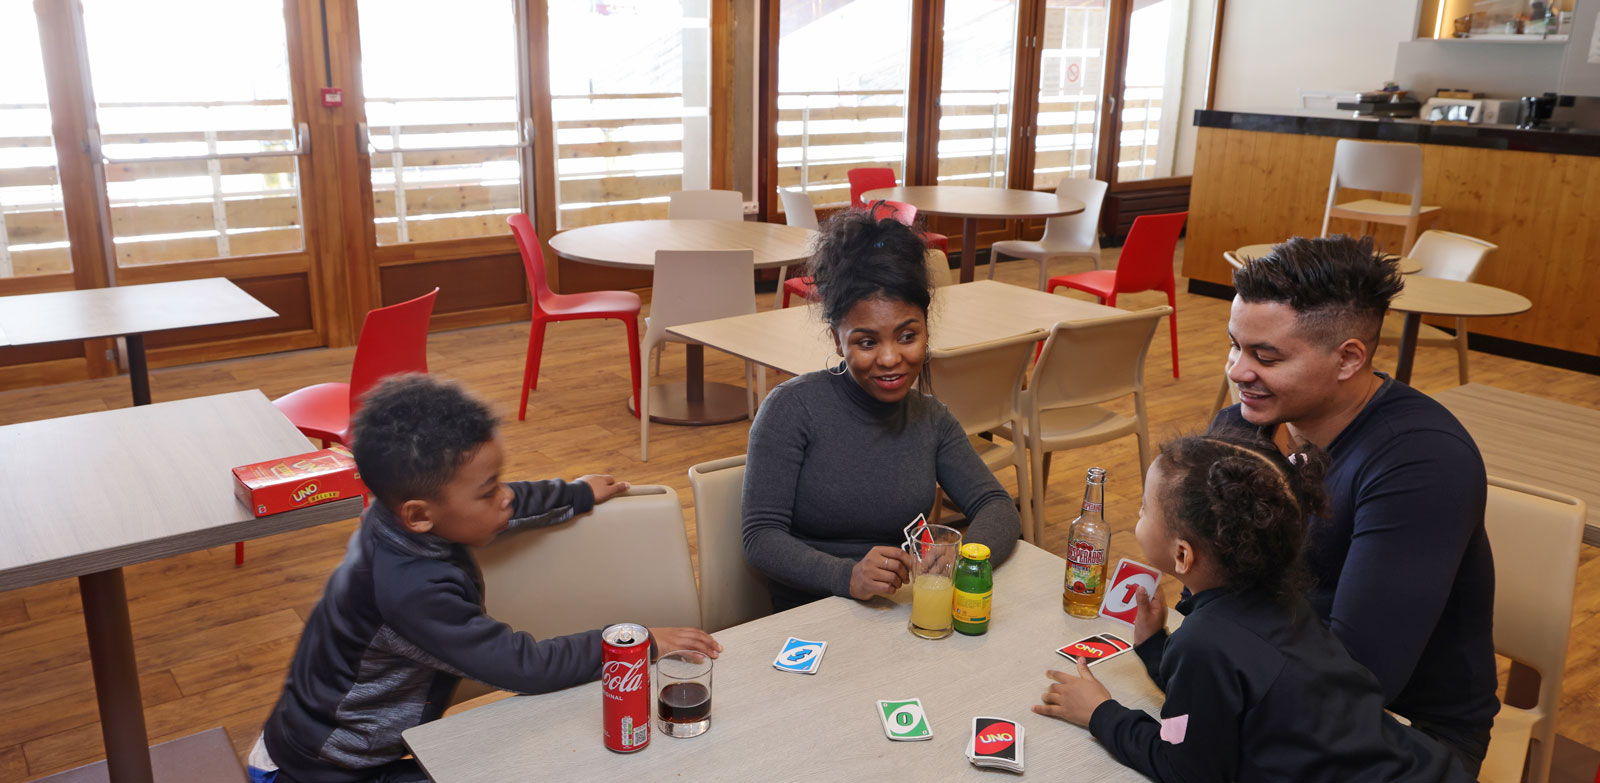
x,y
299,481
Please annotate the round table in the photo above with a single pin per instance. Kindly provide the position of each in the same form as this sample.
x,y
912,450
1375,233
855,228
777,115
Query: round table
x,y
1434,296
970,204
633,244
1408,266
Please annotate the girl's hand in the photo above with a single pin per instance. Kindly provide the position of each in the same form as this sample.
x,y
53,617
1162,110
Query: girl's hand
x,y
669,639
604,486
1073,699
881,572
1152,617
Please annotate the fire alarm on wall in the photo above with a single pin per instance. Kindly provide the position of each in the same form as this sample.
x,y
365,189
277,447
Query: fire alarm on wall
x,y
332,97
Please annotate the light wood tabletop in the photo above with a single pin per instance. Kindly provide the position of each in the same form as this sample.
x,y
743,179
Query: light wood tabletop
x,y
86,495
1534,440
767,724
795,340
971,203
633,244
1408,266
29,319
1437,296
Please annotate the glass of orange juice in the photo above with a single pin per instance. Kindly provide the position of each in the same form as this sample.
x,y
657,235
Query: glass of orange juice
x,y
933,555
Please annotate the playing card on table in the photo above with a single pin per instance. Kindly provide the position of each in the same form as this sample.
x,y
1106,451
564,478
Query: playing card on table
x,y
996,742
903,719
800,656
1097,648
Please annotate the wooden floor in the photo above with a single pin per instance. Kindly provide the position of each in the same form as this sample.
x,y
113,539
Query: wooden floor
x,y
214,641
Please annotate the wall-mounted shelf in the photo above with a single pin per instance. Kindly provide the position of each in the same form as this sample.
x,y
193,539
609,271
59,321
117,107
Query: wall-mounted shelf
x,y
1503,38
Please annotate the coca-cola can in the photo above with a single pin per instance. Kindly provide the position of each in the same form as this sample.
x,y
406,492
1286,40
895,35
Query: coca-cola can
x,y
625,686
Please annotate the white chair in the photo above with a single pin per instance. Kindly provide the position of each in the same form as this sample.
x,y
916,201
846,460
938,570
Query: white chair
x,y
625,561
1450,256
797,211
731,592
1228,394
1387,168
982,386
691,286
1084,364
1535,535
1067,236
938,268
705,205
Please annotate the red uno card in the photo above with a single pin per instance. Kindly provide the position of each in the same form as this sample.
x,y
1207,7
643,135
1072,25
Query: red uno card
x,y
1096,648
1119,602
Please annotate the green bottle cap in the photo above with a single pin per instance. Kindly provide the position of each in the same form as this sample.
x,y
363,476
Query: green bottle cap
x,y
975,551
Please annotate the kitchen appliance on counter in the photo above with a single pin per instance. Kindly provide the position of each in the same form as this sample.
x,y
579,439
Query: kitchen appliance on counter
x,y
1475,111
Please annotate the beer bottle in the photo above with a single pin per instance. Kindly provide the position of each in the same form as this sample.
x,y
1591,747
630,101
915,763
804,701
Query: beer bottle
x,y
1086,551
974,586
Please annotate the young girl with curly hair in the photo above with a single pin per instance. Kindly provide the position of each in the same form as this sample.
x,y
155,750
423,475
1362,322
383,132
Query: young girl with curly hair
x,y
1256,688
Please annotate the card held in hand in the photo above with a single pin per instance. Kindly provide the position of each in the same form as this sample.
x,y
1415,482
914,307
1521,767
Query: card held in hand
x,y
903,719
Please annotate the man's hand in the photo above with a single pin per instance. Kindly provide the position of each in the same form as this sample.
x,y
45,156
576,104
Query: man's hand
x,y
1073,699
881,572
1152,617
605,487
669,639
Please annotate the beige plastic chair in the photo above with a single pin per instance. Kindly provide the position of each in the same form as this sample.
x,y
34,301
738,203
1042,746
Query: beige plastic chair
x,y
797,211
691,286
625,561
1084,364
1073,236
1387,168
938,268
1535,534
1228,394
1449,256
705,205
982,386
731,592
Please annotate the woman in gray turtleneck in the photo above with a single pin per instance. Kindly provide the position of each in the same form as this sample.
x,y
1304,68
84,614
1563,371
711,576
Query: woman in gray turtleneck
x,y
841,459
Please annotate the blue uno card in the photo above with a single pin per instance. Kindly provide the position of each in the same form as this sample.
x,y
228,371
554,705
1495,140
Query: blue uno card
x,y
800,656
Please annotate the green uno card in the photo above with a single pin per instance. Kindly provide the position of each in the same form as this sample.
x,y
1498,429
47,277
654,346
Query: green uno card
x,y
903,719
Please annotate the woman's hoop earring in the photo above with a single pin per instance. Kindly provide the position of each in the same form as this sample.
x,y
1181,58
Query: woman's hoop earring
x,y
835,368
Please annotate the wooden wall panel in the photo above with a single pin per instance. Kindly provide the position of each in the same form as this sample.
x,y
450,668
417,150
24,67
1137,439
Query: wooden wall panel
x,y
469,284
1543,210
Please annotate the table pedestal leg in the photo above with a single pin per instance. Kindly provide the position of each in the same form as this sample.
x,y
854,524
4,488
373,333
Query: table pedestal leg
x,y
138,373
695,402
1408,347
969,248
116,675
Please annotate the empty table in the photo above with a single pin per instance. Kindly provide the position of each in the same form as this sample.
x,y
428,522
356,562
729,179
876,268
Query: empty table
x,y
83,496
971,204
129,311
1408,266
633,245
1435,296
767,724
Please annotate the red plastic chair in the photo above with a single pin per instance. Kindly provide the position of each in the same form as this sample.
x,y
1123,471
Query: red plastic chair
x,y
549,306
899,210
863,180
1145,265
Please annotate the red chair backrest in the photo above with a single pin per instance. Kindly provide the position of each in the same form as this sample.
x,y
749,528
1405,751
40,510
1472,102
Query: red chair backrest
x,y
899,210
532,258
394,340
863,180
1146,260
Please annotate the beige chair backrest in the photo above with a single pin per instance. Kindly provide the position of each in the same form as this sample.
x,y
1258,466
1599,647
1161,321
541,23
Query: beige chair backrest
x,y
1535,535
625,561
1450,256
982,384
1233,259
705,205
938,268
1089,362
701,285
1380,166
1080,231
731,592
797,208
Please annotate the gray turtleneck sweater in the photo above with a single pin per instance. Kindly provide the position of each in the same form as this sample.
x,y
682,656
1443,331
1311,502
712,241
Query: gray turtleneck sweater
x,y
832,472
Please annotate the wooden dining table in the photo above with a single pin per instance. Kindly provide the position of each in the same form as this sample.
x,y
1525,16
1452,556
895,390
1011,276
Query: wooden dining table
x,y
127,311
795,340
773,725
972,204
83,496
1437,296
633,244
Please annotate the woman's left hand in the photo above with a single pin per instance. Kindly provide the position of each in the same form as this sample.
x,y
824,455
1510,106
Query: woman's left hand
x,y
1073,699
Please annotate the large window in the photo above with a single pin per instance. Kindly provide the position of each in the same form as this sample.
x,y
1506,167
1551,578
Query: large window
x,y
1072,68
843,72
33,231
630,84
196,128
445,128
980,38
1152,88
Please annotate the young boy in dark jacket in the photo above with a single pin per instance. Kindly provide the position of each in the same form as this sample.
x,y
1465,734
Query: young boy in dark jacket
x,y
401,620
